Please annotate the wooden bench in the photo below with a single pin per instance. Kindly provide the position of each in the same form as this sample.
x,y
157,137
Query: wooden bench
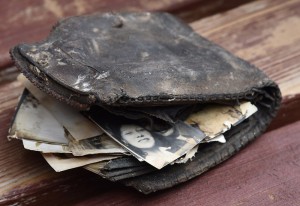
x,y
266,33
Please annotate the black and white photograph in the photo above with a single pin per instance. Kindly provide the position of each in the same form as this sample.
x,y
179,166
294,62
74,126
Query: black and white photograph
x,y
158,148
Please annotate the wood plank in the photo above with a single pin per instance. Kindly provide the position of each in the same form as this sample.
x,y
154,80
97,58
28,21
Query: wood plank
x,y
288,113
31,20
264,33
26,177
267,172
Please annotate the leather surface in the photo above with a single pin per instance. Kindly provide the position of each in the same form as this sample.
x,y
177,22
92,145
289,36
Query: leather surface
x,y
136,58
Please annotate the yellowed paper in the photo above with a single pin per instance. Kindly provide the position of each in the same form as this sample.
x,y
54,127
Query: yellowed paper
x,y
61,162
216,119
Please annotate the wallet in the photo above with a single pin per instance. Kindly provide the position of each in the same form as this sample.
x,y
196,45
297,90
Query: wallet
x,y
126,63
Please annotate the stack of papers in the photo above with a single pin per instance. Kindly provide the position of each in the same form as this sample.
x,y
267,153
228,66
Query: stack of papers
x,y
68,138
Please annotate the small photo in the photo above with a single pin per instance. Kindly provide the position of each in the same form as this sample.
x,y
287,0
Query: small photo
x,y
158,148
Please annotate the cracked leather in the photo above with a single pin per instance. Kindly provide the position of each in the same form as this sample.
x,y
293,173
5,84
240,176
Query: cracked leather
x,y
143,60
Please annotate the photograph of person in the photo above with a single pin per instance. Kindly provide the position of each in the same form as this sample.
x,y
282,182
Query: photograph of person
x,y
158,148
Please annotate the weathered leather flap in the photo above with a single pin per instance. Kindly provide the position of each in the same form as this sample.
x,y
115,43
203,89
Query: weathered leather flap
x,y
134,59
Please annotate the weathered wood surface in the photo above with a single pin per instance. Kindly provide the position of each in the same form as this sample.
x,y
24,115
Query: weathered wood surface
x,y
266,33
263,32
267,172
31,20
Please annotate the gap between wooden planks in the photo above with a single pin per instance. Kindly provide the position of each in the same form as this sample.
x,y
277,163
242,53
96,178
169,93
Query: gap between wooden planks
x,y
257,32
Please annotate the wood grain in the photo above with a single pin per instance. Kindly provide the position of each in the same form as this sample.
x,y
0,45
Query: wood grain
x,y
266,172
31,20
288,113
264,33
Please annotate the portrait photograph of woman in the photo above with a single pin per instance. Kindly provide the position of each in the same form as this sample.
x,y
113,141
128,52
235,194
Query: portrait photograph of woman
x,y
157,147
